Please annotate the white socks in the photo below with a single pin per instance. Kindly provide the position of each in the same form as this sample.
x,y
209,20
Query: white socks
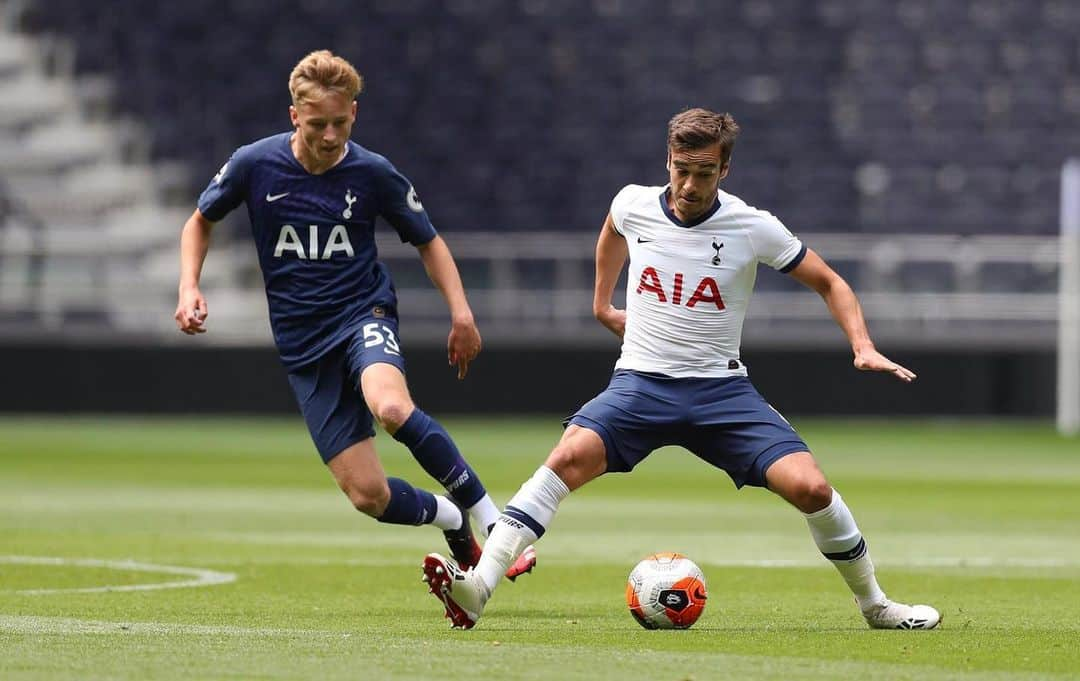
x,y
447,514
837,536
485,513
537,500
525,520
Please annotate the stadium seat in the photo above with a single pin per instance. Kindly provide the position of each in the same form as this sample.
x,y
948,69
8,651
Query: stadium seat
x,y
916,84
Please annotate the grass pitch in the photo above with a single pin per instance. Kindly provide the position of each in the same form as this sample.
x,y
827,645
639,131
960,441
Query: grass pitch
x,y
102,522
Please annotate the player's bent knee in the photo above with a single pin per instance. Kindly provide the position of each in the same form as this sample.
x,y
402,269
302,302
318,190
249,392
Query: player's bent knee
x,y
817,494
809,494
798,480
391,415
369,499
577,462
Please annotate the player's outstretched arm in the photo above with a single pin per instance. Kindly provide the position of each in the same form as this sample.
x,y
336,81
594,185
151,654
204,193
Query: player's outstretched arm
x,y
611,252
191,310
814,273
463,344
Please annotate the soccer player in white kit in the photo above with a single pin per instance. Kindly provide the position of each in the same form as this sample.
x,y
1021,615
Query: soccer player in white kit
x,y
694,251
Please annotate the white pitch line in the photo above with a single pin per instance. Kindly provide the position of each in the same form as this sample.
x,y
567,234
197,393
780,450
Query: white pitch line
x,y
32,624
778,563
959,562
201,577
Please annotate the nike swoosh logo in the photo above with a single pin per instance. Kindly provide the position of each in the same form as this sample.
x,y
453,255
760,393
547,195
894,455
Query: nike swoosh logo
x,y
270,198
645,241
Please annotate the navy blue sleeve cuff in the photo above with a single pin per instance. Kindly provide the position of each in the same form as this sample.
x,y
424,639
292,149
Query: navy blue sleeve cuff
x,y
419,240
794,261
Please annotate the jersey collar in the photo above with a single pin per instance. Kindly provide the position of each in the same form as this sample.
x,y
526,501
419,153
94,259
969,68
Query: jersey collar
x,y
289,152
693,223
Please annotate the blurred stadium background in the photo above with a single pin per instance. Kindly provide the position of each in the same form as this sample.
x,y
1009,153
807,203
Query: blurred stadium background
x,y
917,144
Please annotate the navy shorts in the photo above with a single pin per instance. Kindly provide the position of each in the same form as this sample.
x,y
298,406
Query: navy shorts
x,y
328,389
724,421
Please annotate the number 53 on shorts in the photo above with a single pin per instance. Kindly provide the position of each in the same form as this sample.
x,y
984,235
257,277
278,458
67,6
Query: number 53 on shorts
x,y
378,333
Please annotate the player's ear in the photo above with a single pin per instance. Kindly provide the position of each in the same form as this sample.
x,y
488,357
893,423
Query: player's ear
x,y
724,169
354,108
667,164
294,116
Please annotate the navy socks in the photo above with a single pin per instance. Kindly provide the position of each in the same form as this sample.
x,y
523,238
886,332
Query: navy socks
x,y
408,505
433,449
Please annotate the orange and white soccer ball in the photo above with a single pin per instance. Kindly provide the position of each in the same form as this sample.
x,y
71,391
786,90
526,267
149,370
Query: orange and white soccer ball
x,y
666,591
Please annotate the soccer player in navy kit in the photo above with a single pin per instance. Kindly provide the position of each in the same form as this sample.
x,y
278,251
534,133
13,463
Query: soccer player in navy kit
x,y
313,196
693,254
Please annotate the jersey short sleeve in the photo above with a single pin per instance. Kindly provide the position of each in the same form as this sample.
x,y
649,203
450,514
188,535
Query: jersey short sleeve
x,y
228,188
620,206
400,205
774,244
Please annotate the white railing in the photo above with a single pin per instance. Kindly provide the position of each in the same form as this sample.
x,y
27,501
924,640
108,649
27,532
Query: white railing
x,y
536,287
962,314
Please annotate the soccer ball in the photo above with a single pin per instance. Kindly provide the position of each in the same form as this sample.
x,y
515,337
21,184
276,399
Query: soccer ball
x,y
666,591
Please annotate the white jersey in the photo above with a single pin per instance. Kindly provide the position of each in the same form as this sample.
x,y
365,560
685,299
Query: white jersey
x,y
689,284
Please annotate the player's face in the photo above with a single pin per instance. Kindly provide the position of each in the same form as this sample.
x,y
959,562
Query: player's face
x,y
323,127
695,175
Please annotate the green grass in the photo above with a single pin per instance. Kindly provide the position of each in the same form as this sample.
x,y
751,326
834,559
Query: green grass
x,y
979,519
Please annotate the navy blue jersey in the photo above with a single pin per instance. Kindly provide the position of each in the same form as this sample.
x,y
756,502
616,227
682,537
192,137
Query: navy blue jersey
x,y
315,235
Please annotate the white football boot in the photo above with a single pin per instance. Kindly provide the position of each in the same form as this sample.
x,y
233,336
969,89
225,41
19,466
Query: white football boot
x,y
461,592
890,615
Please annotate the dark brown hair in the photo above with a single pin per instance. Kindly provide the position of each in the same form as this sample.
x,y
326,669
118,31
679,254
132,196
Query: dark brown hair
x,y
699,128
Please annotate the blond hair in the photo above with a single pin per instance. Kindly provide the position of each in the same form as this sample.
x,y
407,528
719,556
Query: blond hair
x,y
699,128
321,72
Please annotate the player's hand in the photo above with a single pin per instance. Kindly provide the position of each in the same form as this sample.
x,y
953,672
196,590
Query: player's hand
x,y
872,360
463,345
191,312
613,319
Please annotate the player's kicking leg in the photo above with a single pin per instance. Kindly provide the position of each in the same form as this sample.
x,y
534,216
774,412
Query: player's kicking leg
x,y
578,458
797,478
360,476
463,591
466,551
432,447
386,393
342,428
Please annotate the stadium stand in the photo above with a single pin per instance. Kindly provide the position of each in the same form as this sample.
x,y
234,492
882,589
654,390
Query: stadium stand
x,y
876,118
969,120
81,202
